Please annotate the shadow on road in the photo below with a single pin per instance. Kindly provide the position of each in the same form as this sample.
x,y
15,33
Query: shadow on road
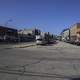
x,y
75,79
50,43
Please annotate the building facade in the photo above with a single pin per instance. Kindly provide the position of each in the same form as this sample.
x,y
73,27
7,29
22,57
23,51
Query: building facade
x,y
75,31
65,35
8,34
26,31
72,34
28,34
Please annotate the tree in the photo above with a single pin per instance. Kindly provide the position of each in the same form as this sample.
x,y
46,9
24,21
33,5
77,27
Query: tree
x,y
47,37
36,32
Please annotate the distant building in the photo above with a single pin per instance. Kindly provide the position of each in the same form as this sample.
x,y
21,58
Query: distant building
x,y
59,37
28,34
72,34
65,34
26,31
25,35
42,34
8,34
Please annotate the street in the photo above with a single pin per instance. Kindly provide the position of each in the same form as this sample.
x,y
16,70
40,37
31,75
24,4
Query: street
x,y
60,61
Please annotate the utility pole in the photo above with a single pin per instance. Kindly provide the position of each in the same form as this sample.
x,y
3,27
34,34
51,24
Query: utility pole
x,y
69,35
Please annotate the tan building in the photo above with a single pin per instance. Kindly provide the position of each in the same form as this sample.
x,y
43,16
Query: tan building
x,y
26,35
26,31
75,31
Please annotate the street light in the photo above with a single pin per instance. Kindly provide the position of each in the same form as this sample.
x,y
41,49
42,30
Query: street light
x,y
6,23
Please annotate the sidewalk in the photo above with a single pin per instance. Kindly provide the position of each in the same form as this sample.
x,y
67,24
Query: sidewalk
x,y
18,45
65,45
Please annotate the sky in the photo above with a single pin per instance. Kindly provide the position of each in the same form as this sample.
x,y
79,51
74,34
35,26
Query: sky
x,y
48,15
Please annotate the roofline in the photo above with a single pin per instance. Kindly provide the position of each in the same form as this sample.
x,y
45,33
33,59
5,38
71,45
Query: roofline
x,y
8,28
74,25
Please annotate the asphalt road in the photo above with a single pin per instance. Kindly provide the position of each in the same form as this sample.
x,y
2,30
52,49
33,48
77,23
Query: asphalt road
x,y
60,61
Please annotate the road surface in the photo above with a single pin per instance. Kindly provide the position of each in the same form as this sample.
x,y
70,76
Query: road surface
x,y
60,61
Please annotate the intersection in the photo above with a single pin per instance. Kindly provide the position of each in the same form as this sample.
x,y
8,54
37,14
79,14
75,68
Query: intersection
x,y
59,61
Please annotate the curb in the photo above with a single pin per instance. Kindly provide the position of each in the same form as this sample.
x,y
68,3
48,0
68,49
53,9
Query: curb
x,y
21,46
25,46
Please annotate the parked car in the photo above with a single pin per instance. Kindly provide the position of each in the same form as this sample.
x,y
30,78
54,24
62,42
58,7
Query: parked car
x,y
40,40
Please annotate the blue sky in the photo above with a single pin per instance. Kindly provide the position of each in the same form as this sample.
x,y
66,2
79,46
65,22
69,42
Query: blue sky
x,y
47,15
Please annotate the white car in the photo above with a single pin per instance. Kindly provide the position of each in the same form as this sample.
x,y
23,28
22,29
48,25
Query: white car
x,y
39,41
